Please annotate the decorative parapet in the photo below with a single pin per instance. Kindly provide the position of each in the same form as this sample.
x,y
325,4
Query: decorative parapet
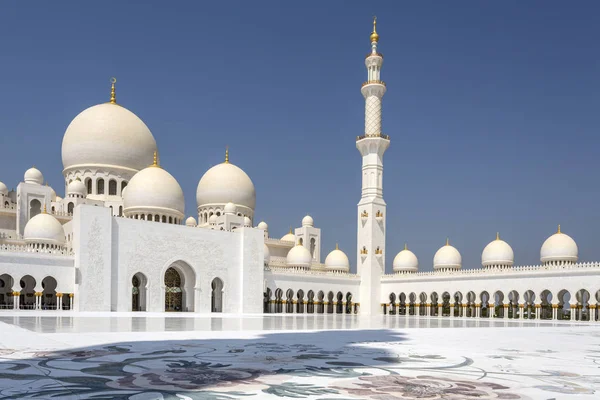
x,y
381,135
373,82
312,272
13,248
277,241
496,270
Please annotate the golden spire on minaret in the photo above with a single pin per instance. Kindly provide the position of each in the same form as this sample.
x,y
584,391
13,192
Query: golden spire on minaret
x,y
374,35
113,95
226,154
558,229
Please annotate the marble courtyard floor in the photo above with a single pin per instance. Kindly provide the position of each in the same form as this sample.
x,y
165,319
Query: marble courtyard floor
x,y
46,355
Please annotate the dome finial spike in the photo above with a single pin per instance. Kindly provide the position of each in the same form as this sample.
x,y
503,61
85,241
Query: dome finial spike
x,y
113,95
337,247
558,229
226,154
497,235
447,242
45,211
374,35
405,246
290,230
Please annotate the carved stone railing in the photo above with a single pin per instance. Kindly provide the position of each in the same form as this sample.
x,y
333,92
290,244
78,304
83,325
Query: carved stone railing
x,y
278,241
13,248
497,270
311,272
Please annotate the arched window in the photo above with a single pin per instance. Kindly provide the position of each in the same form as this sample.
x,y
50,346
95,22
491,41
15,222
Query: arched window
x,y
149,217
111,210
35,207
53,210
120,211
112,187
164,219
170,220
123,186
100,186
312,247
143,217
218,213
88,185
157,218
70,208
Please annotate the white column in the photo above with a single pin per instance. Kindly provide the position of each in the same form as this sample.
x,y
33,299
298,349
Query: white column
x,y
452,310
440,311
505,310
407,310
573,312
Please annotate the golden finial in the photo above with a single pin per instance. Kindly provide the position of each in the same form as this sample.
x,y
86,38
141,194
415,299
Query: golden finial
x,y
374,35
226,154
497,235
290,232
447,242
405,246
155,160
44,212
337,247
113,95
558,229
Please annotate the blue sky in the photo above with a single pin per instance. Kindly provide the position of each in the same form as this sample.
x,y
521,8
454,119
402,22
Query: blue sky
x,y
492,108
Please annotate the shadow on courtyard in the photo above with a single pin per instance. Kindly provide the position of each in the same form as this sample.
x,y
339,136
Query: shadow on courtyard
x,y
198,368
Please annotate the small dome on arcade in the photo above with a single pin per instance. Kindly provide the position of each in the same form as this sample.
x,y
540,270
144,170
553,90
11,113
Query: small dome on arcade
x,y
247,222
44,229
76,188
191,221
497,253
33,175
3,189
229,208
405,261
337,260
212,219
307,221
447,257
263,225
299,256
560,248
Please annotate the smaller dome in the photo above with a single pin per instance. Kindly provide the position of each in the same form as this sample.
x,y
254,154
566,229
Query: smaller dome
x,y
229,208
212,219
263,225
447,257
405,261
191,221
58,198
497,253
337,260
289,237
76,188
559,247
52,194
298,256
247,222
45,229
267,255
307,221
3,189
154,190
33,175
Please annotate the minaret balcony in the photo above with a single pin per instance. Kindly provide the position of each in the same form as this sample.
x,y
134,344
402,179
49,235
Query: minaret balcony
x,y
373,82
380,136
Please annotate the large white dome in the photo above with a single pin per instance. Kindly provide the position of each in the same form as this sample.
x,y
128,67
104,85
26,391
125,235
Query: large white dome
x,y
226,183
108,135
298,256
559,247
497,253
337,260
153,190
405,261
45,229
289,237
447,257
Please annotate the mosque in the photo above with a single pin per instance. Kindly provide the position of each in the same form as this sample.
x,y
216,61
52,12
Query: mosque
x,y
119,241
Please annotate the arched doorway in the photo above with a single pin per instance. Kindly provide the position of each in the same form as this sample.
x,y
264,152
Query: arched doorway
x,y
6,289
216,299
35,207
173,290
27,297
49,293
138,292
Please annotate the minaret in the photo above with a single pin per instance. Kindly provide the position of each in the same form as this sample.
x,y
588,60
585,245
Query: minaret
x,y
372,207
